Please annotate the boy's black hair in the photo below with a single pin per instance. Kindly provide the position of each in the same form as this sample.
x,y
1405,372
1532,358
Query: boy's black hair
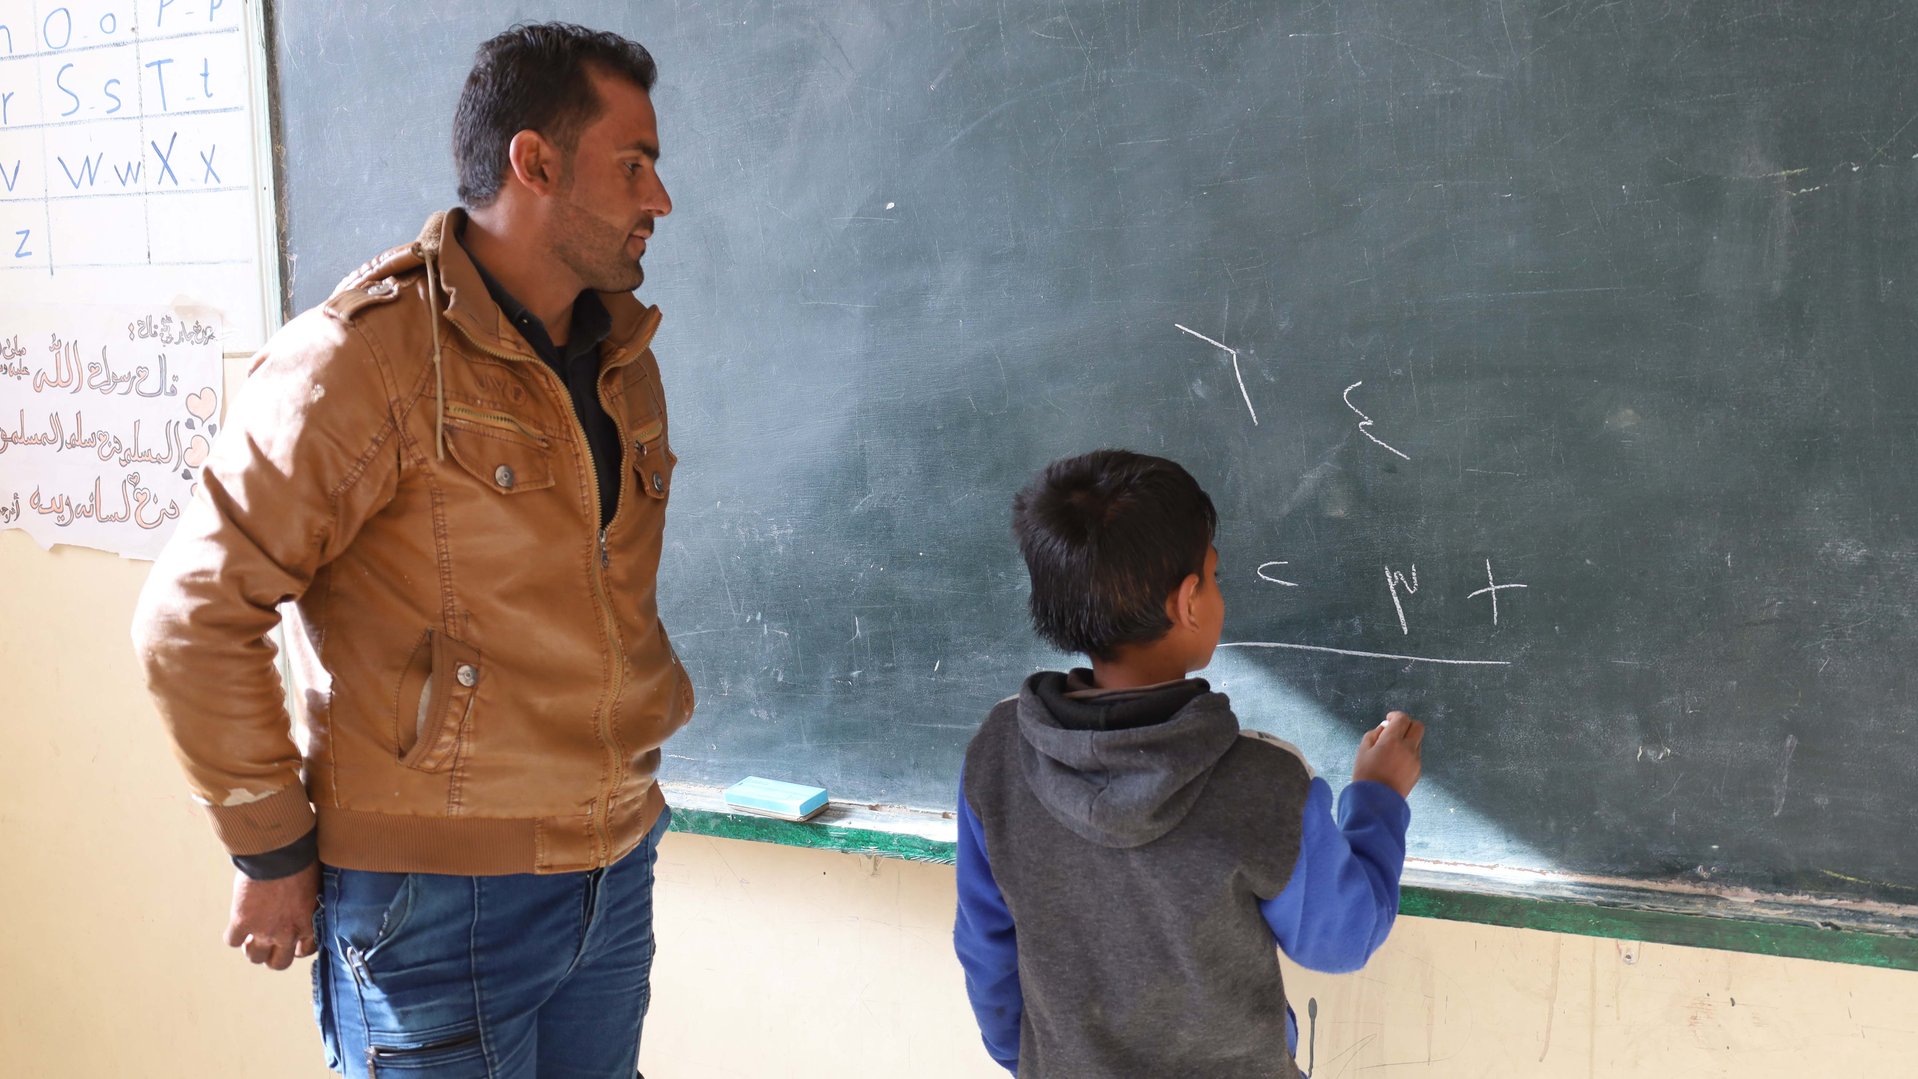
x,y
535,77
1107,536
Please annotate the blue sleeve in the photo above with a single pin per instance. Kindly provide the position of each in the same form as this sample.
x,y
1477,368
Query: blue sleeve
x,y
984,938
1344,892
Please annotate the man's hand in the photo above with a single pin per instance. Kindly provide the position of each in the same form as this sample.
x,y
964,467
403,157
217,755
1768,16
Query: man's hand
x,y
1390,753
273,919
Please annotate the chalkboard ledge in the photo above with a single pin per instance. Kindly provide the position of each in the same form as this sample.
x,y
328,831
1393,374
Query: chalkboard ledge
x,y
1800,927
913,835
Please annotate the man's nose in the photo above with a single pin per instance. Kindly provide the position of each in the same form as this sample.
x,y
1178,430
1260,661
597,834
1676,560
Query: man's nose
x,y
658,202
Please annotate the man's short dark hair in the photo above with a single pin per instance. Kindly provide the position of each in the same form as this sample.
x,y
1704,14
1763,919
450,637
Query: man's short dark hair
x,y
535,77
1107,536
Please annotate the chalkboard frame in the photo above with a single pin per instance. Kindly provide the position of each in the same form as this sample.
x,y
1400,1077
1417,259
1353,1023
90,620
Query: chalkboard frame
x,y
1822,928
1827,931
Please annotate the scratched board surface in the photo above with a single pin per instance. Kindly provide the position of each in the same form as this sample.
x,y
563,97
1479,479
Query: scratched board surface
x,y
1550,364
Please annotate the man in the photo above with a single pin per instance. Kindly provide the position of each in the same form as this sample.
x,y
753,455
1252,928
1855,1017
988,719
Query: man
x,y
456,469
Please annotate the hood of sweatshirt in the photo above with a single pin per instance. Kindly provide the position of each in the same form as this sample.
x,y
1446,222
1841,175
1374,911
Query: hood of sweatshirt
x,y
1120,768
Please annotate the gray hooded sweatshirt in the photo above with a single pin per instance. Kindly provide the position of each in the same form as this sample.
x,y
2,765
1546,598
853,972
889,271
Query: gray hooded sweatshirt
x,y
1133,836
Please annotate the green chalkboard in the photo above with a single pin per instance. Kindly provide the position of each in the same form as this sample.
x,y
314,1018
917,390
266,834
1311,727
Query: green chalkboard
x,y
1551,364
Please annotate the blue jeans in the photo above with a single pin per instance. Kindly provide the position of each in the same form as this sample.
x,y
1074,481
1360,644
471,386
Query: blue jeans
x,y
425,976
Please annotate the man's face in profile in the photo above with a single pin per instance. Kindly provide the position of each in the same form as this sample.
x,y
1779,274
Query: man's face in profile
x,y
603,213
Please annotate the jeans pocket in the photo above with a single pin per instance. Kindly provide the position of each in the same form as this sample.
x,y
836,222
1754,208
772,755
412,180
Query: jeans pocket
x,y
323,1001
368,909
660,827
455,1056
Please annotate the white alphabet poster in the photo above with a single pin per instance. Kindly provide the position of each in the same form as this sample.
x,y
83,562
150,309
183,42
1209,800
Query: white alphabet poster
x,y
129,162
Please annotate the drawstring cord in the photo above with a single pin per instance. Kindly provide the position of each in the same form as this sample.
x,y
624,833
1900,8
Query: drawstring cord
x,y
439,375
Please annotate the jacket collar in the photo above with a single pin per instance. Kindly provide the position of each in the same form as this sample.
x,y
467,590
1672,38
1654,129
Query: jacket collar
x,y
471,308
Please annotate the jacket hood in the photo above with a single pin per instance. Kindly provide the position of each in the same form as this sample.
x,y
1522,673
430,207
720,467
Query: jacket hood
x,y
1120,769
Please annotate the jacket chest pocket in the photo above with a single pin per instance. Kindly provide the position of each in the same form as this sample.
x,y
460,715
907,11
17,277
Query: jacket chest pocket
x,y
499,451
648,449
653,462
435,701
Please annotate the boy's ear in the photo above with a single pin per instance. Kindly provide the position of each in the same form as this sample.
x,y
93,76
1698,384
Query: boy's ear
x,y
1179,606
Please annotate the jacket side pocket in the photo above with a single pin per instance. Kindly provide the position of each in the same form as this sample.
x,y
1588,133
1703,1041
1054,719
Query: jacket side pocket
x,y
436,701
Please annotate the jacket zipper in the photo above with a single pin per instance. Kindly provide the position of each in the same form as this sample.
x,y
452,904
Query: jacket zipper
x,y
499,420
602,841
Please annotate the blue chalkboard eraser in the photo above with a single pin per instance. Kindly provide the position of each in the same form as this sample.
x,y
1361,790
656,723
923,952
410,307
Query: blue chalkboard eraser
x,y
771,798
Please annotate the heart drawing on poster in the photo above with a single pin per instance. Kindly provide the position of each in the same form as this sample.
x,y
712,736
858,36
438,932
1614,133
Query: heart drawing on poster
x,y
196,452
203,404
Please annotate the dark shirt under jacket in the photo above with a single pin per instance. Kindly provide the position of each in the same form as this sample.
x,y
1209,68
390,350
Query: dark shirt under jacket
x,y
578,367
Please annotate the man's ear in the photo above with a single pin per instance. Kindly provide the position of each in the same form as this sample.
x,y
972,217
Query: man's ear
x,y
535,162
1180,606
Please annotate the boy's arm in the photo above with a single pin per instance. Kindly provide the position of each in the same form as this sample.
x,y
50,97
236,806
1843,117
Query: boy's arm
x,y
988,950
1344,892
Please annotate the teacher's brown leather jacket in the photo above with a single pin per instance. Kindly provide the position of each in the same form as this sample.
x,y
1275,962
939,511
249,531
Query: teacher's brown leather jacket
x,y
484,679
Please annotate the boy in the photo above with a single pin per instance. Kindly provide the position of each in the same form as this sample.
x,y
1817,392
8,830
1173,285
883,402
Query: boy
x,y
1127,855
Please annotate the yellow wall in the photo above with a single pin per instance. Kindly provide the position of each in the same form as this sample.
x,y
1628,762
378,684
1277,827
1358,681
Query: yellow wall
x,y
772,961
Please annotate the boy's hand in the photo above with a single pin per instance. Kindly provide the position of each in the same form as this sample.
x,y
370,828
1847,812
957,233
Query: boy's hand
x,y
1389,753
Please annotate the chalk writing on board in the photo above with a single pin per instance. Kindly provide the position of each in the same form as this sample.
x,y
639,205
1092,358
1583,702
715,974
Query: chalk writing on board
x,y
1365,422
1234,353
1291,646
127,161
1264,576
106,417
1492,588
1396,583
1399,584
1783,786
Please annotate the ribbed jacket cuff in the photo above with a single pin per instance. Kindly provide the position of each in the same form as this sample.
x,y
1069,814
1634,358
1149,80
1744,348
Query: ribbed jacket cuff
x,y
272,822
285,862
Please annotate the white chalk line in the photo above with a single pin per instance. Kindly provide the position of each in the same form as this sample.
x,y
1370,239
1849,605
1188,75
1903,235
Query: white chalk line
x,y
1366,421
1235,369
1396,581
1494,589
1368,655
1275,580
